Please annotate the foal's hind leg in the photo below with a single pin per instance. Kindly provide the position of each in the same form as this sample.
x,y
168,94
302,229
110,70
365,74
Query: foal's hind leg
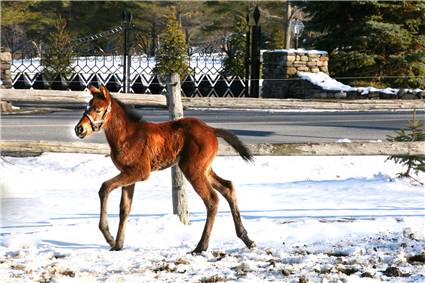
x,y
125,207
227,190
200,183
210,198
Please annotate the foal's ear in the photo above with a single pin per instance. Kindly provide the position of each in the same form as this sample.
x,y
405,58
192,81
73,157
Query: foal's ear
x,y
104,91
93,90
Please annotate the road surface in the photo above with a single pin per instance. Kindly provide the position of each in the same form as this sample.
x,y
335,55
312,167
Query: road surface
x,y
250,126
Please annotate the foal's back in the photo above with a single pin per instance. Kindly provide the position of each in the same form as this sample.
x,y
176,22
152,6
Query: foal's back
x,y
168,142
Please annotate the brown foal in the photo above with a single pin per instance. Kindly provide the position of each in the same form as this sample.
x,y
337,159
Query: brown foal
x,y
139,147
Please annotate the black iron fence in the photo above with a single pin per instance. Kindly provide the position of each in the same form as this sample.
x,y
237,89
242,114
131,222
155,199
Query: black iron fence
x,y
205,79
122,69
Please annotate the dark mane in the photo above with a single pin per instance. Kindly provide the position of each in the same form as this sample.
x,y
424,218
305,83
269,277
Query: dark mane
x,y
131,112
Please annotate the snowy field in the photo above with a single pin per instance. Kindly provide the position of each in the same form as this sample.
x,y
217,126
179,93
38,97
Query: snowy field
x,y
316,219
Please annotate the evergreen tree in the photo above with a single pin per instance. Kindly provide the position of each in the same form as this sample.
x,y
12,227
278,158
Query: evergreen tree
x,y
59,57
414,131
276,39
384,40
172,56
223,16
22,22
234,63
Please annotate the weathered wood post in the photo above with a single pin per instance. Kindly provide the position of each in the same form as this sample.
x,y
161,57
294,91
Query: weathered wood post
x,y
175,109
287,20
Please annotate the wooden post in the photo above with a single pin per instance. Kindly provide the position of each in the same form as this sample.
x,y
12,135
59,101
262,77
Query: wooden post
x,y
287,20
175,108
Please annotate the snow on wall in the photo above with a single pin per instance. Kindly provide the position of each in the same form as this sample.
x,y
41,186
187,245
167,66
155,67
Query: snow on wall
x,y
327,83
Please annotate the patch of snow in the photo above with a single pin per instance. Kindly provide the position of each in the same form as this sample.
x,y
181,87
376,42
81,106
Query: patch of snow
x,y
326,219
344,140
298,51
325,82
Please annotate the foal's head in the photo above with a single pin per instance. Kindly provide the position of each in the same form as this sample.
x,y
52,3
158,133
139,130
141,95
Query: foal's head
x,y
97,113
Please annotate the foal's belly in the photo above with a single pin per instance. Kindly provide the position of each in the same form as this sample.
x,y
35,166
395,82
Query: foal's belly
x,y
161,162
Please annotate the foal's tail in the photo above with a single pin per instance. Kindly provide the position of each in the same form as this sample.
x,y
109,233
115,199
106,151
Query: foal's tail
x,y
236,143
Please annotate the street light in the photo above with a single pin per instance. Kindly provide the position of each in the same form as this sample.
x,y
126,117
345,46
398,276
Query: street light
x,y
297,28
127,16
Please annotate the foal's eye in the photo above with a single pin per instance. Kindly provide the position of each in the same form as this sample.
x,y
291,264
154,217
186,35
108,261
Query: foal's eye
x,y
98,110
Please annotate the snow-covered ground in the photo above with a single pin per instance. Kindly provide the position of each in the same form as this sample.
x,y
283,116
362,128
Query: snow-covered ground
x,y
322,219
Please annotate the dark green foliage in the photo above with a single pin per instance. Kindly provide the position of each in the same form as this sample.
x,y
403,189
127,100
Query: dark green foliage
x,y
414,131
276,38
172,56
23,21
383,41
234,63
58,59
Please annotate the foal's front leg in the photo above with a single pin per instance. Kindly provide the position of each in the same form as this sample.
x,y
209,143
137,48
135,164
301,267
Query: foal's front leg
x,y
121,180
125,207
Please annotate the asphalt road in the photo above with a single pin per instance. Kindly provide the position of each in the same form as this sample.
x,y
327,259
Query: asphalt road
x,y
250,126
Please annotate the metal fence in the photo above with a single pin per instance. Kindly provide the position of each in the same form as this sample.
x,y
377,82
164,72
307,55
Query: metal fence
x,y
204,81
122,69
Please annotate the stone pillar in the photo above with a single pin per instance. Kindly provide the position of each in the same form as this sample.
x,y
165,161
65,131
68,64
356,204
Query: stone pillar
x,y
6,62
5,76
280,69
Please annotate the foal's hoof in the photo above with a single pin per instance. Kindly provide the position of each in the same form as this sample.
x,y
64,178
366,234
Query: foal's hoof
x,y
198,251
116,248
251,245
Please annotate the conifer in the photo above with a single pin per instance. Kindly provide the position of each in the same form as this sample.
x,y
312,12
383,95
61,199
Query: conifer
x,y
59,58
234,63
172,56
414,131
382,42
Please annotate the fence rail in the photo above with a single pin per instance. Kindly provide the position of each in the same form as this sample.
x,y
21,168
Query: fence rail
x,y
291,149
27,95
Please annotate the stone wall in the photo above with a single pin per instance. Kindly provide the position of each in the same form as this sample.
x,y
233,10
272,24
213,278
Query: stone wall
x,y
281,78
5,74
280,69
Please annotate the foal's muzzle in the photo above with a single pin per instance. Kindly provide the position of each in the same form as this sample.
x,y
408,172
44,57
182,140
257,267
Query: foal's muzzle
x,y
79,131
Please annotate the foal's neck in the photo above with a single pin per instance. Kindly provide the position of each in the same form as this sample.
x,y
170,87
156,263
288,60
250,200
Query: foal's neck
x,y
118,126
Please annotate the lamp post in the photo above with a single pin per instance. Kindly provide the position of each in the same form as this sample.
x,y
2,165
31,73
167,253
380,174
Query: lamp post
x,y
297,28
126,23
254,90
